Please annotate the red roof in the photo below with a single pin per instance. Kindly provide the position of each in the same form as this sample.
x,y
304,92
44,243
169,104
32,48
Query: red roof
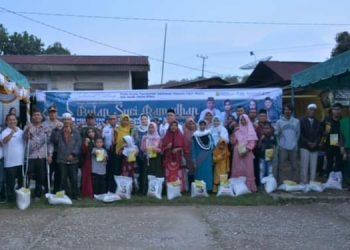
x,y
75,60
287,69
275,73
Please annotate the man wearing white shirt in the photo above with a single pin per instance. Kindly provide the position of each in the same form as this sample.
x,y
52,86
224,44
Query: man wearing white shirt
x,y
170,117
108,138
13,149
211,108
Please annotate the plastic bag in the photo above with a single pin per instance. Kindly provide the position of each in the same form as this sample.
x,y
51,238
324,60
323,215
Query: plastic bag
x,y
199,188
315,186
155,186
224,188
334,181
58,198
107,197
242,149
270,183
291,186
238,185
124,186
173,189
23,198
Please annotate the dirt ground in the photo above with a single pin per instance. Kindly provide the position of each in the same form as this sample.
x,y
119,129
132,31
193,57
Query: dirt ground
x,y
313,226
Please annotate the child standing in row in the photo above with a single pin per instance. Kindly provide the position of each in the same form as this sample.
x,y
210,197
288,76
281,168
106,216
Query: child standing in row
x,y
99,162
129,153
221,158
267,144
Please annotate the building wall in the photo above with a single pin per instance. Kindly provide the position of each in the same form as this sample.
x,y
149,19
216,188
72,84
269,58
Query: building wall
x,y
66,80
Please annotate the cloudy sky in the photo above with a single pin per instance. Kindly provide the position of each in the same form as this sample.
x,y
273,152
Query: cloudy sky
x,y
235,29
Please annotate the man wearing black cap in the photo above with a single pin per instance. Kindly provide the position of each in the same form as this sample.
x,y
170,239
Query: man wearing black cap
x,y
53,124
333,140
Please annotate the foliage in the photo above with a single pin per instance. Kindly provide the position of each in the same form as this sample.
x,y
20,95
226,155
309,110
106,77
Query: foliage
x,y
27,44
343,43
56,49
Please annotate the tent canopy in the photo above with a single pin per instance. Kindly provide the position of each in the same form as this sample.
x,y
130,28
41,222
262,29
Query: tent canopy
x,y
331,74
13,74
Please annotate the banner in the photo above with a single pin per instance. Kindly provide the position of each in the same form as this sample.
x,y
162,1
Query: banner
x,y
155,102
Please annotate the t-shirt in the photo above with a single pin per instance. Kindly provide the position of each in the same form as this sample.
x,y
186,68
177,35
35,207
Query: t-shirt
x,y
267,143
98,167
14,149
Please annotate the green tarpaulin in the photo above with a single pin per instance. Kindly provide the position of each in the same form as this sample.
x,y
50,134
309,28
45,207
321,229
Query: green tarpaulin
x,y
13,74
331,74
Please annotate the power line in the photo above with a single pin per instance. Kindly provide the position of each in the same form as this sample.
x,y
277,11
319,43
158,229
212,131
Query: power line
x,y
183,20
103,43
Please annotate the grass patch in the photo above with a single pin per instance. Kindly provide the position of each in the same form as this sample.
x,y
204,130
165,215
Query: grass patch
x,y
253,199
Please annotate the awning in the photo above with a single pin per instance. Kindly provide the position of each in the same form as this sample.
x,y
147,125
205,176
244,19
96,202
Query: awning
x,y
331,74
12,84
8,71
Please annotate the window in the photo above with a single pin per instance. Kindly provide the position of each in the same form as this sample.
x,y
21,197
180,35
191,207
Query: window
x,y
38,86
88,86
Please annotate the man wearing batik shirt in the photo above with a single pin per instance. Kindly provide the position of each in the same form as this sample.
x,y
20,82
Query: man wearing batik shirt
x,y
36,135
52,123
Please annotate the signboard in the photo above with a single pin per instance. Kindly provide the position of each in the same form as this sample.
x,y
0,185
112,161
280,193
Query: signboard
x,y
155,102
328,98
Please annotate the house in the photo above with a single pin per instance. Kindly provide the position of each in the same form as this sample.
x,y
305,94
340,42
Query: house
x,y
279,74
72,72
202,83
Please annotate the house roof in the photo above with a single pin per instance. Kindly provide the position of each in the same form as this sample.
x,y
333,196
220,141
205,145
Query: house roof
x,y
213,82
75,60
275,73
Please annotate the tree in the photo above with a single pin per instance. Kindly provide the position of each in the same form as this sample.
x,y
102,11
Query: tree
x,y
3,38
56,49
343,43
23,44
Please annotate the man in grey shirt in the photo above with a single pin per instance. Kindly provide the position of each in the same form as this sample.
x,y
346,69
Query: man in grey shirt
x,y
288,132
68,142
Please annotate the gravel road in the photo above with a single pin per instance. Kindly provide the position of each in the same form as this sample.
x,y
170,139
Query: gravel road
x,y
316,226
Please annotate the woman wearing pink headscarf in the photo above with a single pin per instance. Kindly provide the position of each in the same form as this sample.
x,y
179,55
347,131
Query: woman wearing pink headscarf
x,y
151,148
244,140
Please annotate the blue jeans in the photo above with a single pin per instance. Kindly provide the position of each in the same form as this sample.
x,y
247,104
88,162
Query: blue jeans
x,y
265,168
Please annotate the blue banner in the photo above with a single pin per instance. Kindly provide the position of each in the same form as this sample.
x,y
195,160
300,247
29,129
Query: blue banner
x,y
155,102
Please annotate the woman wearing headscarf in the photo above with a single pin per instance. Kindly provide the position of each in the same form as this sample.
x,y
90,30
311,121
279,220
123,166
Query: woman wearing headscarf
x,y
138,134
123,130
173,144
151,148
202,155
208,118
190,128
244,140
86,178
218,131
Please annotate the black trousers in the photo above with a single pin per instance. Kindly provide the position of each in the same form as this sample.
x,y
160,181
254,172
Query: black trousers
x,y
69,171
99,183
37,168
11,174
55,173
113,168
334,159
257,166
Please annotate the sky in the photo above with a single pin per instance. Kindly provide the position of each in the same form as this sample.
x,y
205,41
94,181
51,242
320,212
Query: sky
x,y
227,45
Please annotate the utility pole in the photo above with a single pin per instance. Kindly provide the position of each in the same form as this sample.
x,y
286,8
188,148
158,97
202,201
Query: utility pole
x,y
164,45
203,62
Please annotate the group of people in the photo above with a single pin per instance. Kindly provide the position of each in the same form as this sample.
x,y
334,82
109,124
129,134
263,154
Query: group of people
x,y
245,143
